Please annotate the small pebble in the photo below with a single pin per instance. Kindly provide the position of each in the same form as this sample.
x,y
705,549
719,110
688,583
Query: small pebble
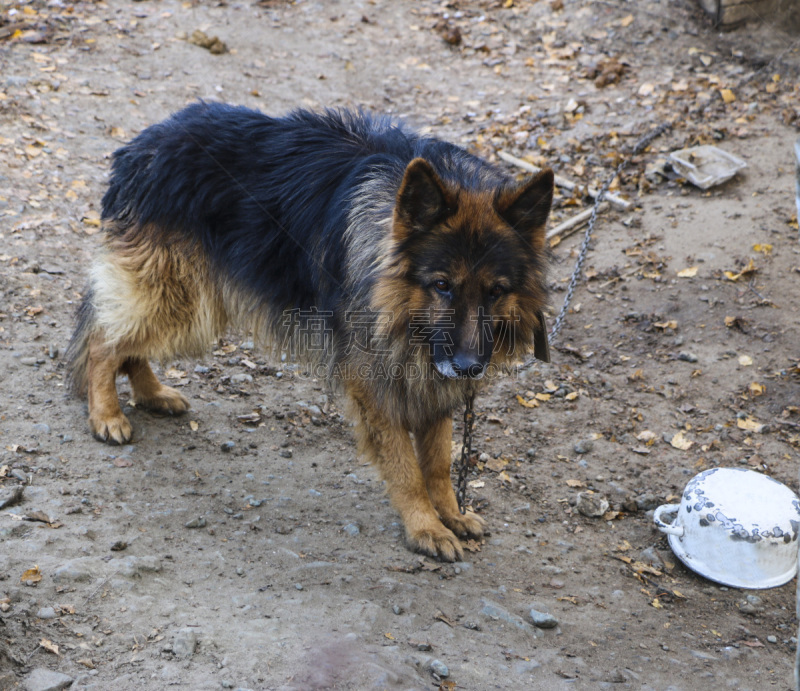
x,y
772,639
285,453
543,620
591,505
397,609
199,522
440,669
227,446
583,446
46,613
687,357
185,643
298,586
352,529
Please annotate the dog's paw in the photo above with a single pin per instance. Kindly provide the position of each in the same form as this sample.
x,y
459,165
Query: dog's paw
x,y
437,542
167,401
113,430
469,526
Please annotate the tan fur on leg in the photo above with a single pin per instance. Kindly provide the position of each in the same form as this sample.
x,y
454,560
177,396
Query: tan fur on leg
x,y
389,447
106,420
433,450
151,394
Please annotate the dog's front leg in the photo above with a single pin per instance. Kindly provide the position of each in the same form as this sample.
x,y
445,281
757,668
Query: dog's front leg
x,y
433,450
389,446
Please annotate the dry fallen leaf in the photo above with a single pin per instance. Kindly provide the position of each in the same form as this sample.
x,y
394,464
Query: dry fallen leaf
x,y
689,272
750,424
745,360
681,442
49,646
727,95
530,403
193,426
746,271
496,464
763,248
31,576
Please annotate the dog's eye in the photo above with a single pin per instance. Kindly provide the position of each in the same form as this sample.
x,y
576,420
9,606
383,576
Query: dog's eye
x,y
442,286
497,291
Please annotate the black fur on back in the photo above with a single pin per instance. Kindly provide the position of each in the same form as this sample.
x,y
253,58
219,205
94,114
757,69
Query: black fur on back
x,y
269,198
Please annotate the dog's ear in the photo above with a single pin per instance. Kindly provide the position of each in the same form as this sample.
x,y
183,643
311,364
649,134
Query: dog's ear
x,y
422,200
526,207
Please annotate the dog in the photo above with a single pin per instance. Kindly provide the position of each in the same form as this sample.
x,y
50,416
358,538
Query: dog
x,y
404,267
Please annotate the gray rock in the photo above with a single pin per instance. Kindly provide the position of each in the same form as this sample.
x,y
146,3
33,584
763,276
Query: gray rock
x,y
134,567
591,505
185,643
583,446
46,613
227,446
772,639
439,669
542,619
41,428
647,501
41,679
241,378
702,655
495,612
73,570
687,357
199,522
352,529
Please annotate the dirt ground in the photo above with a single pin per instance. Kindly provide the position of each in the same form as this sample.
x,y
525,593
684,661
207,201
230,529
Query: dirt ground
x,y
245,545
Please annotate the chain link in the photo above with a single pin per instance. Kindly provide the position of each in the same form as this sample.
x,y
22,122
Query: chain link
x,y
466,452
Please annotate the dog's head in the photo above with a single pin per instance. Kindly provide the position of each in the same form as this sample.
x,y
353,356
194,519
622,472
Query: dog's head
x,y
473,266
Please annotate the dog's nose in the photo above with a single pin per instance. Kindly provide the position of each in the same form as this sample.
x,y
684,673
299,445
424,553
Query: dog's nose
x,y
467,366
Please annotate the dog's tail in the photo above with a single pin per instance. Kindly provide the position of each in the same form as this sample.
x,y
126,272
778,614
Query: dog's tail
x,y
78,348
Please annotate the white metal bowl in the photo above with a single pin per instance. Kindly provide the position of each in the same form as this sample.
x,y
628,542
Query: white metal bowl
x,y
736,527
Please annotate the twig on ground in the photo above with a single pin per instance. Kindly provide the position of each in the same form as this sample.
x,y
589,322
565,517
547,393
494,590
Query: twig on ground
x,y
563,182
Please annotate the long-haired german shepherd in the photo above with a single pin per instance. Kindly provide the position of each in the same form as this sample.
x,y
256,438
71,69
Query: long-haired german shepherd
x,y
402,265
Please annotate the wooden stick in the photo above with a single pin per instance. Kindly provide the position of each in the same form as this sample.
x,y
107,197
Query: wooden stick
x,y
576,220
563,182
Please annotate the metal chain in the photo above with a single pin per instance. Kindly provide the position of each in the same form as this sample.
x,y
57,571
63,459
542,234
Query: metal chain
x,y
469,415
466,452
573,281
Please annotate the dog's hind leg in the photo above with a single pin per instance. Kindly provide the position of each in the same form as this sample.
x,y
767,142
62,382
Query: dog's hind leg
x,y
148,392
389,446
106,419
433,452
